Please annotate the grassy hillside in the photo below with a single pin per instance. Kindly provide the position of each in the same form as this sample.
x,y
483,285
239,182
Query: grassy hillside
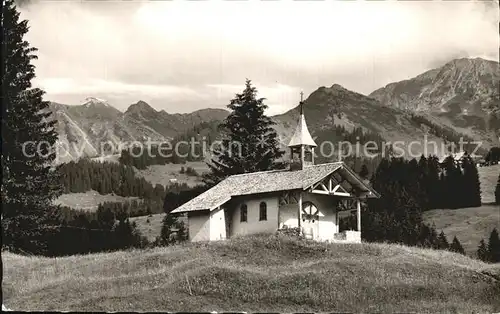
x,y
150,226
489,178
163,174
262,273
469,225
89,201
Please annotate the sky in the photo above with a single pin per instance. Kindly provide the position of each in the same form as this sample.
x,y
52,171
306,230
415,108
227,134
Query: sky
x,y
182,56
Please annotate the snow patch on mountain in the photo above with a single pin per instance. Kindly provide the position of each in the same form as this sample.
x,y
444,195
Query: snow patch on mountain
x,y
89,101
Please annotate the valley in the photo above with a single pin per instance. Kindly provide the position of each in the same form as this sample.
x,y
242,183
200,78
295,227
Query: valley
x,y
387,114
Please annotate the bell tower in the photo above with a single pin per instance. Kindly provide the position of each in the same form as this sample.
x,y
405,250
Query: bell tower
x,y
301,144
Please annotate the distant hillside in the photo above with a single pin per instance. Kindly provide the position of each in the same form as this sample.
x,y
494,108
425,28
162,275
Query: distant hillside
x,y
85,128
336,106
257,274
488,177
89,201
463,94
470,225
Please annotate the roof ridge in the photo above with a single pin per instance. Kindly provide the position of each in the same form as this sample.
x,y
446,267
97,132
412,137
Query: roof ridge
x,y
250,173
328,163
283,170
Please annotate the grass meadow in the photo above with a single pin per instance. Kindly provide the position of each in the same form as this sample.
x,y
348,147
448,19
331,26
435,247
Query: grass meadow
x,y
258,273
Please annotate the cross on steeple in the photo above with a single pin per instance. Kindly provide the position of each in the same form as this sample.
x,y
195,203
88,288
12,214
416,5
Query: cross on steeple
x,y
301,102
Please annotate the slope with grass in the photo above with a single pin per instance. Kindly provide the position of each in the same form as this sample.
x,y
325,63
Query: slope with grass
x,y
469,225
150,226
488,177
90,200
169,173
260,273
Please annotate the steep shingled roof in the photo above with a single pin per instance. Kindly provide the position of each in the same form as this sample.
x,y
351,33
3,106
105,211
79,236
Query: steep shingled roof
x,y
301,136
264,182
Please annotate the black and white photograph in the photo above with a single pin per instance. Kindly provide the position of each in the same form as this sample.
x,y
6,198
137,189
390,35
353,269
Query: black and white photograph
x,y
250,156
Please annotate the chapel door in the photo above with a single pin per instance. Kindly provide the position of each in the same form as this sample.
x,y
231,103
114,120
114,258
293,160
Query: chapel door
x,y
310,221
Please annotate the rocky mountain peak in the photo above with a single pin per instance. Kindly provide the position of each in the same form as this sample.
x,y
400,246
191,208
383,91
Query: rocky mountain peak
x,y
140,107
466,85
95,102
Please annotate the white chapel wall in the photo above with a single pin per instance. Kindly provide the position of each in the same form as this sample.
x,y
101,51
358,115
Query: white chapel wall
x,y
199,226
217,225
288,215
253,225
327,215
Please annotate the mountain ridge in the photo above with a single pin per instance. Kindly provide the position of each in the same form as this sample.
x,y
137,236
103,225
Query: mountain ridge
x,y
96,127
462,94
458,97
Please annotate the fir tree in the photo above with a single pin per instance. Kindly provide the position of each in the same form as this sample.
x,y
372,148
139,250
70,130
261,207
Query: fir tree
x,y
29,182
396,216
364,173
497,192
456,246
494,247
169,230
453,183
482,251
472,185
182,233
433,184
443,242
249,141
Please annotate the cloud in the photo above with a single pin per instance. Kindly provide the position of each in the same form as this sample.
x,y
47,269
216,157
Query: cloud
x,y
278,97
186,55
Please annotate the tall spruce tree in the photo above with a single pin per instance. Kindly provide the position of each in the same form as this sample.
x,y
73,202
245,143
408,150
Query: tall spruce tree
x,y
172,230
29,182
397,215
494,247
482,251
471,184
443,242
364,173
456,246
452,184
249,141
497,192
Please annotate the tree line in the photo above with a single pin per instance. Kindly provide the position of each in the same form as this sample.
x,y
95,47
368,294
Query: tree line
x,y
80,232
448,134
493,155
106,178
449,185
396,217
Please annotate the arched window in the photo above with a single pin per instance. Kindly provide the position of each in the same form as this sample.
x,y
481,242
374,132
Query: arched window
x,y
243,213
262,211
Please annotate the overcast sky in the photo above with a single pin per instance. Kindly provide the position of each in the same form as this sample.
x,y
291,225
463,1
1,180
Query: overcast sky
x,y
186,55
